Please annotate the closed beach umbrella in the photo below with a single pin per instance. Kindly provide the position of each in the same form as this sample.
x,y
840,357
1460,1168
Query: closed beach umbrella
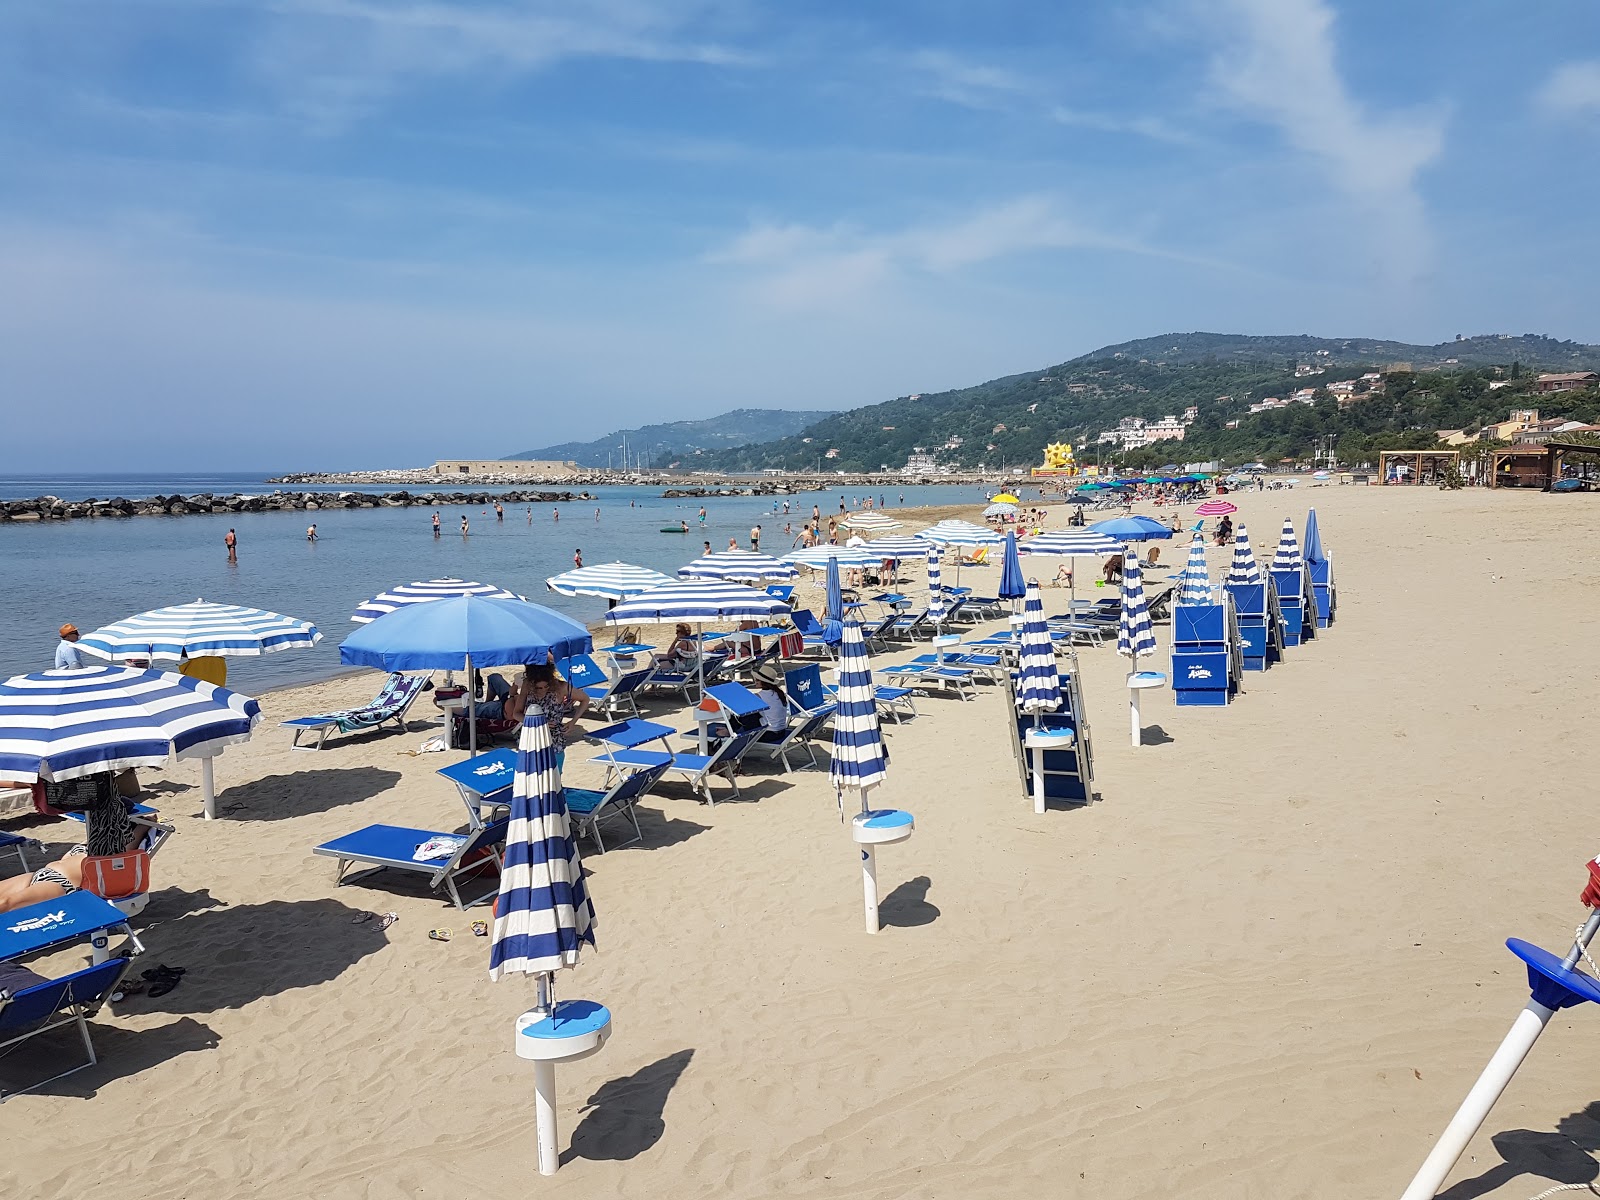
x,y
609,581
1194,585
1313,552
860,761
870,522
1038,680
1135,634
745,566
1243,569
935,589
833,611
1215,508
1288,557
198,630
543,915
1012,585
60,725
464,633
1132,529
423,592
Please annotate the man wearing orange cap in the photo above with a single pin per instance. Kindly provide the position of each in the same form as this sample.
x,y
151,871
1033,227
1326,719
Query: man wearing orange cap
x,y
68,656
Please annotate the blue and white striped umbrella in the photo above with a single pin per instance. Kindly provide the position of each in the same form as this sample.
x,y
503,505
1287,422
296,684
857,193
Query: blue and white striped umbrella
x,y
899,546
1038,680
200,629
1194,585
1243,569
860,759
610,581
59,725
935,589
422,592
695,600
870,521
1288,556
961,533
1135,634
743,565
817,557
544,914
1071,543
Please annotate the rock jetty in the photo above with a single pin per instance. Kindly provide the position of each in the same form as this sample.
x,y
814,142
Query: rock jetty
x,y
52,508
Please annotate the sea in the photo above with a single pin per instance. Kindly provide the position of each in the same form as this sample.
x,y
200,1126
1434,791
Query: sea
x,y
95,571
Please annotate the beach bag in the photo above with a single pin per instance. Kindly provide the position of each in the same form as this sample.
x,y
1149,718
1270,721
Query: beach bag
x,y
115,876
54,799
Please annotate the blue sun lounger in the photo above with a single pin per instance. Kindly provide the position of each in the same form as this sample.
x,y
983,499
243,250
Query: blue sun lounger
x,y
1260,624
589,807
1295,603
1207,660
17,843
696,768
393,847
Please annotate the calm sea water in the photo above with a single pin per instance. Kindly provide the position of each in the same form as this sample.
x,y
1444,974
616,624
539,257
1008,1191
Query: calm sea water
x,y
93,572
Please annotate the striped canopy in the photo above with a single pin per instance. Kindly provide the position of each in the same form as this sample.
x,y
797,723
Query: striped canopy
x,y
1288,556
742,565
611,581
695,600
860,759
1038,681
1243,569
899,546
199,629
420,593
1000,510
817,558
1194,585
1215,508
544,914
59,725
935,589
961,533
1071,543
1135,635
870,522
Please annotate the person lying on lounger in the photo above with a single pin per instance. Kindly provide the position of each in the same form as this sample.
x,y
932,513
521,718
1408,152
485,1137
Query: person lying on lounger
x,y
108,829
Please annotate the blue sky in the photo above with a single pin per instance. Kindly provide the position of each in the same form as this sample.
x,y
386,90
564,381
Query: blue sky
x,y
322,233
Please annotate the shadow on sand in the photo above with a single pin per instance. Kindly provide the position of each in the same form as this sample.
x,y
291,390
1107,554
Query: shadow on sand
x,y
280,797
907,906
1561,1157
624,1117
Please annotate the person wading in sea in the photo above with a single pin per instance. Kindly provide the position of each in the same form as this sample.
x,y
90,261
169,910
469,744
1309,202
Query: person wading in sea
x,y
232,543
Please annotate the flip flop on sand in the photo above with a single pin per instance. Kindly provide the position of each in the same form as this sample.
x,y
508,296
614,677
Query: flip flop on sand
x,y
162,979
438,935
480,929
162,971
388,919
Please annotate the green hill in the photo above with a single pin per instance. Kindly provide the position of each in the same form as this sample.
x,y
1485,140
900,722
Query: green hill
x,y
663,443
1008,421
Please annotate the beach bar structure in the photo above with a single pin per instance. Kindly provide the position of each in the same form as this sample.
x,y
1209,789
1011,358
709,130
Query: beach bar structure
x,y
1067,769
1207,657
1519,467
1255,607
1416,466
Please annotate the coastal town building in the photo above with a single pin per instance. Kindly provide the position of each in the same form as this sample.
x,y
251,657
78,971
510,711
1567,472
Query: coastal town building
x,y
477,469
1566,382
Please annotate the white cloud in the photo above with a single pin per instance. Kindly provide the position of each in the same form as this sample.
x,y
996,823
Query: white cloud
x,y
1573,90
1279,65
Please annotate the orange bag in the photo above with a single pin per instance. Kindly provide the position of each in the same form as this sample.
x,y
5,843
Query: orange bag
x,y
115,876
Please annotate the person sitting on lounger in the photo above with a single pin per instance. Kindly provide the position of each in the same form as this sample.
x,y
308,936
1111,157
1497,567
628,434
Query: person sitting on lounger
x,y
108,829
681,654
1154,560
506,701
768,687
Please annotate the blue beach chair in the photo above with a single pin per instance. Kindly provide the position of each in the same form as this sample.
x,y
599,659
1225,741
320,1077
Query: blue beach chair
x,y
589,807
1069,772
697,769
389,706
393,847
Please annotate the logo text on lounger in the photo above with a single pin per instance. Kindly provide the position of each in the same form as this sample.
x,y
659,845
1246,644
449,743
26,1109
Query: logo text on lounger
x,y
1198,672
44,921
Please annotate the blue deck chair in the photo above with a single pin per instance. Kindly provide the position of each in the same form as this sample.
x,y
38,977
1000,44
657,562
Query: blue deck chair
x,y
31,1005
781,591
896,702
985,666
607,699
1069,772
814,633
682,680
17,843
801,735
906,627
589,807
392,847
696,768
581,671
933,678
390,705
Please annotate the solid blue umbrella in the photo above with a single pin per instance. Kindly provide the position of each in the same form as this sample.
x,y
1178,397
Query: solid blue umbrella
x,y
424,592
1012,585
1038,680
543,915
200,629
833,614
464,633
1135,634
860,760
1194,585
1313,552
1243,569
1288,557
1132,529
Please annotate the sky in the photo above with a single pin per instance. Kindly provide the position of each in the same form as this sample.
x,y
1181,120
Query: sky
x,y
324,234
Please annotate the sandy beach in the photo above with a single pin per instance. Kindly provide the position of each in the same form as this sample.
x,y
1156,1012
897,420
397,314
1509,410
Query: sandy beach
x,y
1266,962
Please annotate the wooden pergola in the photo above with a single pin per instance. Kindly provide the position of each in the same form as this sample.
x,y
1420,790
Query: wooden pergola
x,y
1423,466
1558,452
1520,467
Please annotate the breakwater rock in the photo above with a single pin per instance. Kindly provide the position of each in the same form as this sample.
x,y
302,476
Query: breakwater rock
x,y
52,508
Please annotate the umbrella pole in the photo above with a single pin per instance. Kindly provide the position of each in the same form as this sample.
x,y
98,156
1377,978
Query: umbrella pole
x,y
544,1087
208,788
472,710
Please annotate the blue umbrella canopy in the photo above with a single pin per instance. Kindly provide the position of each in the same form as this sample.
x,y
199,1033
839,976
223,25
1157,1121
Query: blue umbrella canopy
x,y
833,614
1194,586
1132,529
1288,557
424,592
543,915
1313,552
60,725
899,546
610,581
1038,680
200,629
860,760
1243,569
1012,585
1135,634
445,634
1071,543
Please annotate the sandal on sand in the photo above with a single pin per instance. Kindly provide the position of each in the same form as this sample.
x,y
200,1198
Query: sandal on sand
x,y
157,973
388,919
361,918
438,935
480,929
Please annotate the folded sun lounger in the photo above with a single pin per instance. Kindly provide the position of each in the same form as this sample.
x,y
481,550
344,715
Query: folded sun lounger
x,y
391,704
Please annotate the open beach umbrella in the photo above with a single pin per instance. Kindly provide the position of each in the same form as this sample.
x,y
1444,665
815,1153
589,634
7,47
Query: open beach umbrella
x,y
1071,544
1132,529
818,557
1243,569
1004,498
1012,585
1313,551
424,592
744,566
610,581
465,633
833,610
1215,508
199,630
1000,510
543,914
1194,585
870,521
960,533
60,725
696,601
1288,557
1038,679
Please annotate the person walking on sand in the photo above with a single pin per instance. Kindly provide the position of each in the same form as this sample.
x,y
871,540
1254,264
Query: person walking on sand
x,y
755,538
68,656
311,533
232,543
435,524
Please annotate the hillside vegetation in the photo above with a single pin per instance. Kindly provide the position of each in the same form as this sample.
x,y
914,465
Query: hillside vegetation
x,y
661,443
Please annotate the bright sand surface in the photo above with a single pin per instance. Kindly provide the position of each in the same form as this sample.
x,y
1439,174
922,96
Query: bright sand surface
x,y
1266,963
